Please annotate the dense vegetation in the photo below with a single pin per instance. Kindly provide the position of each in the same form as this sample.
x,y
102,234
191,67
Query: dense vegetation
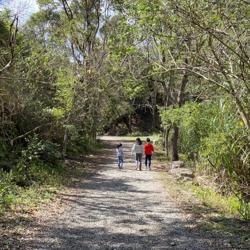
x,y
78,68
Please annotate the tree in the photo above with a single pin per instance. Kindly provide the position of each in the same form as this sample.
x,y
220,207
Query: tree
x,y
8,42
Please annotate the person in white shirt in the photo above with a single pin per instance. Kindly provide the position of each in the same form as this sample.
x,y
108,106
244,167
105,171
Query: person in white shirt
x,y
137,149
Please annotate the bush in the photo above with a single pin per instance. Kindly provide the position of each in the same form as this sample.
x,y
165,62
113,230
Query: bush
x,y
37,151
44,180
214,132
7,189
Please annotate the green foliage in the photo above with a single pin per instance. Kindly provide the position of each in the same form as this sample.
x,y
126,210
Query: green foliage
x,y
213,132
4,33
40,150
64,94
36,152
45,179
6,188
193,126
83,69
133,89
230,205
39,165
3,148
244,209
81,145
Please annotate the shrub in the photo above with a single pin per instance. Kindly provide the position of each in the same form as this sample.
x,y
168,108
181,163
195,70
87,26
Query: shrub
x,y
214,132
37,151
7,189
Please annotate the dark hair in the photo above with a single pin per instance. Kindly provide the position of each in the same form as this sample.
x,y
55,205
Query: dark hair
x,y
119,145
148,140
138,140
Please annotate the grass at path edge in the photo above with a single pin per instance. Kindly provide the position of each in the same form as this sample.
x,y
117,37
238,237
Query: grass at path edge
x,y
193,200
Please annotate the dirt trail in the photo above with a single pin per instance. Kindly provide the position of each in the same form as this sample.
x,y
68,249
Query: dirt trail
x,y
118,209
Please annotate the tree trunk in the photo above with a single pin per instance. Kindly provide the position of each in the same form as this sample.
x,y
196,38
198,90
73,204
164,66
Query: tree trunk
x,y
154,109
180,101
175,154
65,142
127,121
166,141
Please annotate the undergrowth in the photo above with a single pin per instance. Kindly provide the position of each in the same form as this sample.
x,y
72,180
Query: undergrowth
x,y
211,210
38,173
229,205
45,182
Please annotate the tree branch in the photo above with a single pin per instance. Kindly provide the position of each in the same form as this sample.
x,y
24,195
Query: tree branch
x,y
12,43
29,132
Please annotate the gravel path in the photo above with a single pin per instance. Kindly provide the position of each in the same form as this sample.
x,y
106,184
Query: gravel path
x,y
119,209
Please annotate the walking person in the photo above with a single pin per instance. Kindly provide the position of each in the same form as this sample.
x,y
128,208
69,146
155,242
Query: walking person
x,y
148,151
138,150
119,154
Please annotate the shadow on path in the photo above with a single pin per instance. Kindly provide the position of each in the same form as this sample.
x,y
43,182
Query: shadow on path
x,y
125,209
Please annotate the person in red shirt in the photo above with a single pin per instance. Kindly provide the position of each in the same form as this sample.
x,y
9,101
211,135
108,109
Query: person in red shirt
x,y
148,151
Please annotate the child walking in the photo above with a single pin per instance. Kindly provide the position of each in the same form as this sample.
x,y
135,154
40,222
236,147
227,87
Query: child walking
x,y
148,151
119,153
138,150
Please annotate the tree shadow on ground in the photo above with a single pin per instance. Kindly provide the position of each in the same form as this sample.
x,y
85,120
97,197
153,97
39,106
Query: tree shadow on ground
x,y
175,236
100,199
207,219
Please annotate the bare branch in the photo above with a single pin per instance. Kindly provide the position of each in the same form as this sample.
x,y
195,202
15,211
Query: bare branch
x,y
12,43
67,9
29,132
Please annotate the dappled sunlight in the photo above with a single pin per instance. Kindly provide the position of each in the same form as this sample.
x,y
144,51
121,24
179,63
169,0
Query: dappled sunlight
x,y
119,209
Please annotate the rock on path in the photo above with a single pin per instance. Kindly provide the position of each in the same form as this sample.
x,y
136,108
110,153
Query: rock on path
x,y
118,209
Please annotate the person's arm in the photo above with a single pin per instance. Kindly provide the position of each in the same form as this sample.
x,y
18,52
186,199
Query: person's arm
x,y
142,149
153,150
133,149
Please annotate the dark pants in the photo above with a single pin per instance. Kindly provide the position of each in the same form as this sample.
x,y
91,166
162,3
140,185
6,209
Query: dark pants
x,y
120,161
139,159
148,160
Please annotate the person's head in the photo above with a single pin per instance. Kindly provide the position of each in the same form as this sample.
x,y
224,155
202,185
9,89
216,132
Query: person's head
x,y
148,140
119,145
138,141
